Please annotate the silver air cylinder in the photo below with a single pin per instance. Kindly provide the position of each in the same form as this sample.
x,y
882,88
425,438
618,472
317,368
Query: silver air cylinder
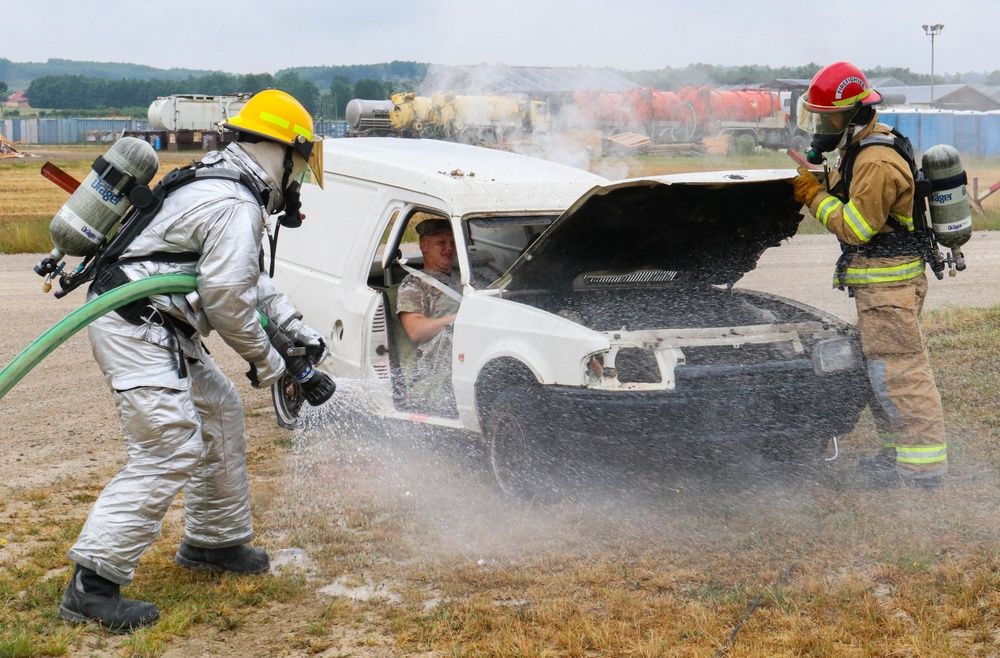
x,y
951,216
99,203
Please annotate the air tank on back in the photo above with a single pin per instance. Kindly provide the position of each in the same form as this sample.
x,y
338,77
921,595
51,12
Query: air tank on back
x,y
94,209
951,216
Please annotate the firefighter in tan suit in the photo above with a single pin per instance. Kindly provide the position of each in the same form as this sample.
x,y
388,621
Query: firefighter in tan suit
x,y
870,209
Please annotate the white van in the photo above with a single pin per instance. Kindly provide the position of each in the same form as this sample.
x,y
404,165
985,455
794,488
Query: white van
x,y
593,310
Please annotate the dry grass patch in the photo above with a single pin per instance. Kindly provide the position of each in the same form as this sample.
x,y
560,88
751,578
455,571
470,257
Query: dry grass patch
x,y
28,201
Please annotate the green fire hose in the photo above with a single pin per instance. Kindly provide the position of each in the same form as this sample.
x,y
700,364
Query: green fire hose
x,y
60,332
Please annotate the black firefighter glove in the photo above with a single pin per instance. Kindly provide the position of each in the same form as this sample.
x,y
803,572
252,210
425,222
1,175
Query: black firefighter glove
x,y
316,386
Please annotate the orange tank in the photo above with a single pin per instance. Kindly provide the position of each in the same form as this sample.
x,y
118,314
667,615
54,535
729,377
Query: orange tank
x,y
744,104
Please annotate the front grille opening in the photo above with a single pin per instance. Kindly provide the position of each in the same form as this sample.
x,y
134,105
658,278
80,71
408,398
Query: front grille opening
x,y
637,366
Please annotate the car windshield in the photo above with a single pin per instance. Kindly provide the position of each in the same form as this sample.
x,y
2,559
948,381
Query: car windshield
x,y
496,242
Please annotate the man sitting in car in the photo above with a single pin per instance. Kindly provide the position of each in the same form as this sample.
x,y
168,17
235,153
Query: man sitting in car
x,y
428,302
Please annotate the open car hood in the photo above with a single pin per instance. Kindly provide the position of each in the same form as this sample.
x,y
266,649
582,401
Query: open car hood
x,y
691,228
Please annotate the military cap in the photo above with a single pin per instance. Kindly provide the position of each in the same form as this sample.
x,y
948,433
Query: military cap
x,y
433,227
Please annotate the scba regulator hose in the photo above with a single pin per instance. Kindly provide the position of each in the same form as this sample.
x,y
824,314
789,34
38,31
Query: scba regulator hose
x,y
160,284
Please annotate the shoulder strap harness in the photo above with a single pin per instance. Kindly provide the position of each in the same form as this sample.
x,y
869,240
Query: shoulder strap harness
x,y
901,242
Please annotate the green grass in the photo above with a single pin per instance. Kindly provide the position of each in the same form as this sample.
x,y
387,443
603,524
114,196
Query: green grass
x,y
874,574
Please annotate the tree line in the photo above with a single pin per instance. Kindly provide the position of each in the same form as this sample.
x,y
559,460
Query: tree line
x,y
77,92
325,91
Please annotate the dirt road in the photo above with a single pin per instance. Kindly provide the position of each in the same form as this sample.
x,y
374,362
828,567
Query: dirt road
x,y
63,409
59,425
802,269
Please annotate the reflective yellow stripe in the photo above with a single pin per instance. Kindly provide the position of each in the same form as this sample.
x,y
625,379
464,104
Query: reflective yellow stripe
x,y
888,440
921,454
853,99
907,222
276,120
826,207
857,222
855,276
286,124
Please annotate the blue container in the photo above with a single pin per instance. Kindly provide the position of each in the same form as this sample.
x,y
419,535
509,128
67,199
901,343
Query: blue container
x,y
967,133
908,123
888,118
48,131
936,127
989,134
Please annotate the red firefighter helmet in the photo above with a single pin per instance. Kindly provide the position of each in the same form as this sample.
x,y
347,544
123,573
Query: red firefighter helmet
x,y
835,95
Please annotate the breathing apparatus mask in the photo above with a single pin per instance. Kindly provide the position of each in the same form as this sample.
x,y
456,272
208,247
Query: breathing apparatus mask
x,y
829,130
286,170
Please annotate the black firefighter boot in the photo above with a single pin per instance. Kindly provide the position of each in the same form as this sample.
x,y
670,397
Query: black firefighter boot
x,y
90,597
240,559
879,470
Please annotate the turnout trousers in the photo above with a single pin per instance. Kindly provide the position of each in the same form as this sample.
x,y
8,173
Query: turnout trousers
x,y
907,405
184,431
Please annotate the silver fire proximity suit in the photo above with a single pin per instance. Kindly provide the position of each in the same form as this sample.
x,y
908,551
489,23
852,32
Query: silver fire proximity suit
x,y
182,417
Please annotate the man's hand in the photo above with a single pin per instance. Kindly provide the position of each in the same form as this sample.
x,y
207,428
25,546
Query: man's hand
x,y
316,349
806,186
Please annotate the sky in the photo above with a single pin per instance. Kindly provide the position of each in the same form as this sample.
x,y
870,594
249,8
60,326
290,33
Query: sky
x,y
253,36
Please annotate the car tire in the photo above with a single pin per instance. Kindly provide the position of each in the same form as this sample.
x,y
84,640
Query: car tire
x,y
515,460
796,451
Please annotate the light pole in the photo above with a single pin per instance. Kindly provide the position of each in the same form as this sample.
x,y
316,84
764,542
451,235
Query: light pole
x,y
932,31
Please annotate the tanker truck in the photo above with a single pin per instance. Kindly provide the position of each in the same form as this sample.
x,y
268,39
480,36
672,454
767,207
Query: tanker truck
x,y
487,119
183,121
693,113
368,118
448,116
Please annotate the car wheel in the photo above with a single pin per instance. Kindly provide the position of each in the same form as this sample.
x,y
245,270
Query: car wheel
x,y
513,450
286,394
792,451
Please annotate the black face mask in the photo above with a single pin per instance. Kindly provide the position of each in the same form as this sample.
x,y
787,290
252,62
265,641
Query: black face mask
x,y
821,144
292,217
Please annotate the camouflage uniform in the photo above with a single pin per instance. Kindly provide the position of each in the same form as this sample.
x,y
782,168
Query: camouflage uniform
x,y
417,296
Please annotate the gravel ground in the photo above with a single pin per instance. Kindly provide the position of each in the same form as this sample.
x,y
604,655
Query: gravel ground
x,y
63,409
59,425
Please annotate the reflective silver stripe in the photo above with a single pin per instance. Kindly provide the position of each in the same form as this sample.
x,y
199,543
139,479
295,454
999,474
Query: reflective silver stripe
x,y
921,454
857,222
826,207
855,276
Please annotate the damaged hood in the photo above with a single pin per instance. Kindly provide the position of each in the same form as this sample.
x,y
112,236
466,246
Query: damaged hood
x,y
705,228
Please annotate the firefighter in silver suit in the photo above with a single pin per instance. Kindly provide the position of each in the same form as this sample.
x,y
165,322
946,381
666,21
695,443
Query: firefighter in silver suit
x,y
182,417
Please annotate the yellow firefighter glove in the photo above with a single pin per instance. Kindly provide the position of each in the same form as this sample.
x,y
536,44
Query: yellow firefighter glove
x,y
806,186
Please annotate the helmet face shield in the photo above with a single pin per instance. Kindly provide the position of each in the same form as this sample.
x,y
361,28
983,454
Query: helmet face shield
x,y
830,122
312,152
315,161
